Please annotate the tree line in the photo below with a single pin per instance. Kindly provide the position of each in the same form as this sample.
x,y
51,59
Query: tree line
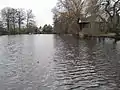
x,y
68,12
17,21
47,29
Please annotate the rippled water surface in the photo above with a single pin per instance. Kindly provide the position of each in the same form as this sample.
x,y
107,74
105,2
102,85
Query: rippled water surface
x,y
51,62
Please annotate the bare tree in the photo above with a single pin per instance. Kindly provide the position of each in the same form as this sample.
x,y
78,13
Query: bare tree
x,y
66,14
112,8
13,18
2,29
30,18
6,16
107,10
21,16
31,25
1,25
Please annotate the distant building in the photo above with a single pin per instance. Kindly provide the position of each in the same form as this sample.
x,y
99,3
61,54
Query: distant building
x,y
92,26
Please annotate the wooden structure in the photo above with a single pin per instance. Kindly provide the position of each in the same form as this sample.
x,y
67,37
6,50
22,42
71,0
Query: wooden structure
x,y
83,25
91,27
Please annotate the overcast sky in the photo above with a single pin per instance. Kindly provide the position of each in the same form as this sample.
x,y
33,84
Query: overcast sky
x,y
41,8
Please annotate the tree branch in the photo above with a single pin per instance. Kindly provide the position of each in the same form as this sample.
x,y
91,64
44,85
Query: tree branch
x,y
106,9
102,18
114,7
118,10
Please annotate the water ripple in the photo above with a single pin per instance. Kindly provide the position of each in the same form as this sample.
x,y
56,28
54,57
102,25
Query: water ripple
x,y
51,62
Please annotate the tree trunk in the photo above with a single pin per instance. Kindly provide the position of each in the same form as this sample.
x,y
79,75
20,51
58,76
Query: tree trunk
x,y
14,28
8,27
19,27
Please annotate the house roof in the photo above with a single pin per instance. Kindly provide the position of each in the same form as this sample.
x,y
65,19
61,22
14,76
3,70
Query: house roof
x,y
94,19
89,20
84,22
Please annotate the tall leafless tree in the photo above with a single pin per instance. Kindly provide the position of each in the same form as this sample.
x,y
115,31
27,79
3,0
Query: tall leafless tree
x,y
30,18
21,16
112,8
6,16
66,14
13,18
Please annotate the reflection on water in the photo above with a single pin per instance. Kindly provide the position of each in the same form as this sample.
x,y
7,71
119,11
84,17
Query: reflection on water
x,y
51,62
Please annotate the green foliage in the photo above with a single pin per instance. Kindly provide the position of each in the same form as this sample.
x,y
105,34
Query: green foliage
x,y
47,29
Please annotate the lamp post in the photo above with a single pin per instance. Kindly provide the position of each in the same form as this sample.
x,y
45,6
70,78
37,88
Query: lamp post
x,y
80,34
79,23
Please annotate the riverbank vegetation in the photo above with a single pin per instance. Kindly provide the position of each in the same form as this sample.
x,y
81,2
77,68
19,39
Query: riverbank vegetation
x,y
17,21
67,13
47,29
20,21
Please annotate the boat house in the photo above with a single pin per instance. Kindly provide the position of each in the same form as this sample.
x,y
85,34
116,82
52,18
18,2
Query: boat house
x,y
92,27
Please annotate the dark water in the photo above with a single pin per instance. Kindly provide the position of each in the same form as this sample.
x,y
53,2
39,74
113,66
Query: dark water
x,y
51,62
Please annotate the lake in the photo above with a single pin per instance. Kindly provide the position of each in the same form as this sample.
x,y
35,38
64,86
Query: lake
x,y
52,62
